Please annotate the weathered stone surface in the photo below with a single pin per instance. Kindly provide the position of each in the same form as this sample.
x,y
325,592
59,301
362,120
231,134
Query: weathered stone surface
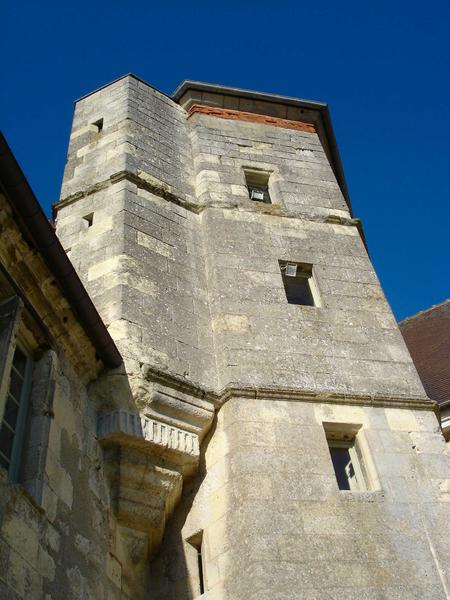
x,y
174,276
274,520
185,271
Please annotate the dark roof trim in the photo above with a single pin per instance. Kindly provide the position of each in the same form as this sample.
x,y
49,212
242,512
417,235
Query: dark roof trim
x,y
336,157
24,202
189,84
322,107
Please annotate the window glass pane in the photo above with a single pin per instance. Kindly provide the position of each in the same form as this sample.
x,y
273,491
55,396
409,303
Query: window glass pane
x,y
15,385
13,424
11,412
6,441
3,462
341,463
20,361
261,194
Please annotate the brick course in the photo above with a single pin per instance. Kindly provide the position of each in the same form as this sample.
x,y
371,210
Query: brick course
x,y
239,115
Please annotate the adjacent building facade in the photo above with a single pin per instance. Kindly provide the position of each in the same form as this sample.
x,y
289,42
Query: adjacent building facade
x,y
267,435
427,335
54,501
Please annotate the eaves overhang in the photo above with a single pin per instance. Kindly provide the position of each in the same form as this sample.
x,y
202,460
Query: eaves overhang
x,y
321,107
188,85
32,220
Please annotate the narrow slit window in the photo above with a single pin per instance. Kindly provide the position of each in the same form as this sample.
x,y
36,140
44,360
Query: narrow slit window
x,y
88,220
347,460
299,283
196,542
257,183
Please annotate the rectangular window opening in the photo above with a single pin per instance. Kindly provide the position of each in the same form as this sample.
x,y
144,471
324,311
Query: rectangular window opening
x,y
196,541
98,125
89,219
299,284
346,457
15,413
257,183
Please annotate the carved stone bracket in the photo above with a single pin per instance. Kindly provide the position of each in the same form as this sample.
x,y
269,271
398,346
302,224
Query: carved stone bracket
x,y
147,455
149,436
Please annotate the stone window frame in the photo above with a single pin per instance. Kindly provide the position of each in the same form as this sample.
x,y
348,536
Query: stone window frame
x,y
352,436
30,460
196,543
23,402
87,221
258,179
304,271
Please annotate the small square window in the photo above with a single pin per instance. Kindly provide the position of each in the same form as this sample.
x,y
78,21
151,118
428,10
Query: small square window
x,y
299,284
88,220
258,186
98,125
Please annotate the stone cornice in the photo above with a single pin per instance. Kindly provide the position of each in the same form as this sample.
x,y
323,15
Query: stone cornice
x,y
329,398
38,287
218,398
152,185
149,453
141,180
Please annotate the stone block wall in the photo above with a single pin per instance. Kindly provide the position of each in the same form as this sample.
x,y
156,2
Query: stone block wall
x,y
142,131
59,546
184,269
302,180
142,257
349,344
276,526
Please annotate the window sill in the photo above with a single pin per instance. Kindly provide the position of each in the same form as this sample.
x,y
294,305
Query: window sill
x,y
366,496
18,489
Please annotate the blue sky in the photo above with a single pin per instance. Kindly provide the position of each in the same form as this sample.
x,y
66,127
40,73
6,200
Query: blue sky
x,y
383,67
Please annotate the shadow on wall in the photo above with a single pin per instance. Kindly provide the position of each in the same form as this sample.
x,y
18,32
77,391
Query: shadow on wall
x,y
120,435
146,457
176,573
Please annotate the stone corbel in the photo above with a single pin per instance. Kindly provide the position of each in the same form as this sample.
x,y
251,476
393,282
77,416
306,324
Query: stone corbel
x,y
148,455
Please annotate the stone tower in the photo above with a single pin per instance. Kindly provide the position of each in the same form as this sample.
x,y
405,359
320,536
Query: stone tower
x,y
269,436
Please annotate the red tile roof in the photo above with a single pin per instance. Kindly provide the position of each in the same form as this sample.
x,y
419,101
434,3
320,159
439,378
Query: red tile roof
x,y
427,335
